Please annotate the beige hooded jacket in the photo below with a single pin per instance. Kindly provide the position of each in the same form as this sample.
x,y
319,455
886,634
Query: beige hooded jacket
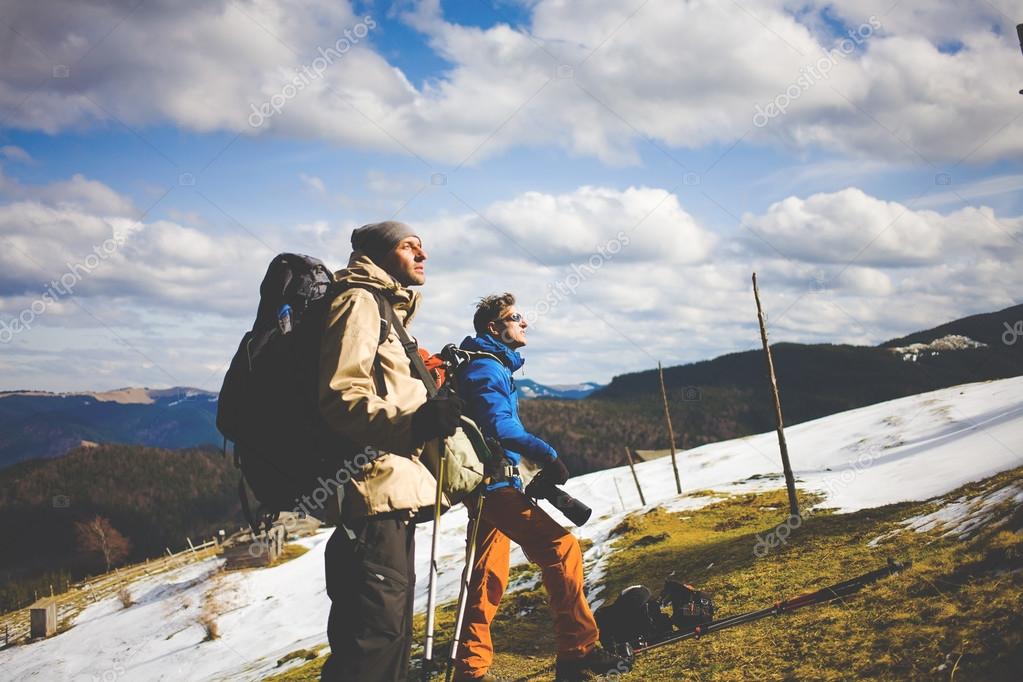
x,y
395,480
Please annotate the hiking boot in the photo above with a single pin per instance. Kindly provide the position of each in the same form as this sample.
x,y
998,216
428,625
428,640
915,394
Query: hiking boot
x,y
599,662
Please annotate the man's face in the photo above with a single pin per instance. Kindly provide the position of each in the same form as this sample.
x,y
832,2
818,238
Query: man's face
x,y
510,328
405,262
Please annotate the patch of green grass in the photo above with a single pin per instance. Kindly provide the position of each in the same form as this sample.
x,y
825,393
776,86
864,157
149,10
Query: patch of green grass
x,y
522,572
307,672
306,654
960,605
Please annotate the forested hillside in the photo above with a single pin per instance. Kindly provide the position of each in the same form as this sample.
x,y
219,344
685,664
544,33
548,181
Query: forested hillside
x,y
728,397
153,498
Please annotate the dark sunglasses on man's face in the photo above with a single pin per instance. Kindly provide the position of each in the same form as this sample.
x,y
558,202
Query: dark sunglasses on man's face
x,y
514,317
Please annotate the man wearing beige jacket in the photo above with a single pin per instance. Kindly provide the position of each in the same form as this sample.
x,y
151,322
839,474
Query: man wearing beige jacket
x,y
369,395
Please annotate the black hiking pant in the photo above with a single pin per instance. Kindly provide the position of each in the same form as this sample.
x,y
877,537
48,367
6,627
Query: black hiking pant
x,y
371,585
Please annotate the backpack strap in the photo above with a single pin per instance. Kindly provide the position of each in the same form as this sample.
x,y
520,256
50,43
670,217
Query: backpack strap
x,y
412,351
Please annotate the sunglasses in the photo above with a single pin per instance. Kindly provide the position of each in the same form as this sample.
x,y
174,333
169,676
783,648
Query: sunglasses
x,y
514,317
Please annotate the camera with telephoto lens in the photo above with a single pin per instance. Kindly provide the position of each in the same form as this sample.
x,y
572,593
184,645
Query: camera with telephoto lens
x,y
539,489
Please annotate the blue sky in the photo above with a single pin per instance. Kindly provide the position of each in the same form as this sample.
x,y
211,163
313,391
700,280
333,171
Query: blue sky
x,y
881,197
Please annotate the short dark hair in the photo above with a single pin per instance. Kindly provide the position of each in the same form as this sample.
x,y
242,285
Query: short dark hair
x,y
490,308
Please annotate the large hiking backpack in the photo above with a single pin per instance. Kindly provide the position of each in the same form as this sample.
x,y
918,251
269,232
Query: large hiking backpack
x,y
268,402
268,405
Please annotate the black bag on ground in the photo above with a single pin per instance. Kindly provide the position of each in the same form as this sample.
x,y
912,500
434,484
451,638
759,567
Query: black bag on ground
x,y
689,607
268,405
636,615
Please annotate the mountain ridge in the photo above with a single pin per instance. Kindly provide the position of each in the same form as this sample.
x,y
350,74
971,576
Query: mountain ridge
x,y
719,398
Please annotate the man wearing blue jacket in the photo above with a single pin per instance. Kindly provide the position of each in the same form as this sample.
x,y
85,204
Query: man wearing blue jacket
x,y
486,385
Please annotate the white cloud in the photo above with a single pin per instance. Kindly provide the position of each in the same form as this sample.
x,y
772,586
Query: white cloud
x,y
15,154
78,241
675,293
848,225
644,224
684,74
979,189
313,182
77,193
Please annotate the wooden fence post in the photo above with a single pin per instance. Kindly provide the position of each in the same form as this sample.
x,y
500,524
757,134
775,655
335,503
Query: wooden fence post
x,y
790,481
635,477
671,432
620,498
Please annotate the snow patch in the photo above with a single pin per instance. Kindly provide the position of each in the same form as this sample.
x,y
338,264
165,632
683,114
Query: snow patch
x,y
914,448
912,352
965,517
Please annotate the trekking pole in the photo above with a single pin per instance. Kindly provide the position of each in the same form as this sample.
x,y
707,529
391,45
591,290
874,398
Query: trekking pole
x,y
821,596
431,599
463,590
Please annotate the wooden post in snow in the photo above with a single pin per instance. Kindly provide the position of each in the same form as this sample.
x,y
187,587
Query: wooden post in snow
x,y
671,432
620,498
635,477
790,481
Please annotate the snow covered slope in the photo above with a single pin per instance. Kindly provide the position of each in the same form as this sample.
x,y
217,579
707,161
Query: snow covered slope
x,y
913,448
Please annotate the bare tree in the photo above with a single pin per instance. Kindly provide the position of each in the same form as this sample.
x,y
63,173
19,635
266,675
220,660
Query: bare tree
x,y
98,537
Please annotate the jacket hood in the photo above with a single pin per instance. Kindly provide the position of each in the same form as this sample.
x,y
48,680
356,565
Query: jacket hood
x,y
363,271
488,344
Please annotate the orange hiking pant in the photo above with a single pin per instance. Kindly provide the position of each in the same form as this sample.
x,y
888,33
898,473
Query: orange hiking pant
x,y
510,515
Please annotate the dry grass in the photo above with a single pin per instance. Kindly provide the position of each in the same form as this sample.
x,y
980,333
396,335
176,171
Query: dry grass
x,y
215,602
124,596
304,654
291,551
208,621
958,608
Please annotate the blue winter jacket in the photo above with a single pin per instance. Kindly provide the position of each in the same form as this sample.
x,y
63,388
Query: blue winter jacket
x,y
488,389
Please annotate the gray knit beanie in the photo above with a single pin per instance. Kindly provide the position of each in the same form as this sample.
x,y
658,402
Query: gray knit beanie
x,y
376,240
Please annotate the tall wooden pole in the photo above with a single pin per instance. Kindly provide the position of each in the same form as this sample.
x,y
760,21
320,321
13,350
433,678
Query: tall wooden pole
x,y
635,477
790,481
671,432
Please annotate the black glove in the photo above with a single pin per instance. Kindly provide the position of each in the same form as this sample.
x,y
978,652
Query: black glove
x,y
555,472
437,418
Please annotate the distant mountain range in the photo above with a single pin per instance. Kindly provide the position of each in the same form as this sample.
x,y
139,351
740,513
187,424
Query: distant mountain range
x,y
711,400
820,379
527,388
728,397
36,424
